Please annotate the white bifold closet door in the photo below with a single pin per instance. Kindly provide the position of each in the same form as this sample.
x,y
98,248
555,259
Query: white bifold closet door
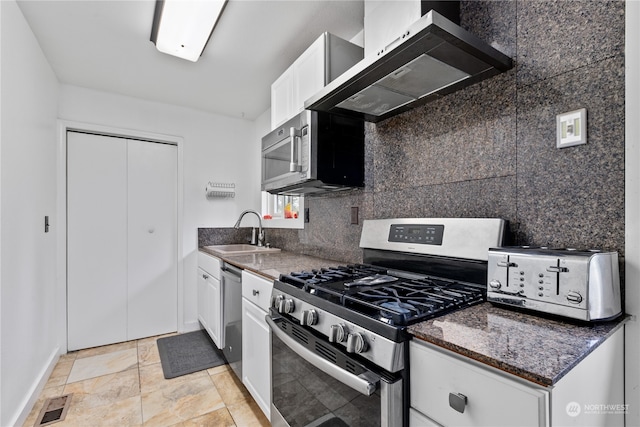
x,y
121,239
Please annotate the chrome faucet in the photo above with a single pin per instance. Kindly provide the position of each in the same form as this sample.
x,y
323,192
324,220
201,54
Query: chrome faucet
x,y
260,231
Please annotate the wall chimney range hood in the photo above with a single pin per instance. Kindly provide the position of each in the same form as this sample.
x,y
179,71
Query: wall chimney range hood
x,y
432,58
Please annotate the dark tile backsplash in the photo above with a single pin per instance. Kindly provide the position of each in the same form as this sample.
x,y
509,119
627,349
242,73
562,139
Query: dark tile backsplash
x,y
490,150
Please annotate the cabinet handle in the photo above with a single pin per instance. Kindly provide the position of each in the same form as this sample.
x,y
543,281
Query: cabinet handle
x,y
255,292
458,401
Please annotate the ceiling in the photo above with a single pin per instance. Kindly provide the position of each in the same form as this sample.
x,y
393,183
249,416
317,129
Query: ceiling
x,y
105,45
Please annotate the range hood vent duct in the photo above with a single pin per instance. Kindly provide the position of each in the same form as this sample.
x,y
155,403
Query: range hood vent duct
x,y
432,58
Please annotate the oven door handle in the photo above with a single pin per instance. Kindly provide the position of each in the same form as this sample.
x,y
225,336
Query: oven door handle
x,y
295,135
366,383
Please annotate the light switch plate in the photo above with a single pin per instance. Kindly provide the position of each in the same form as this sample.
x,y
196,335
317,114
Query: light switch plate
x,y
571,128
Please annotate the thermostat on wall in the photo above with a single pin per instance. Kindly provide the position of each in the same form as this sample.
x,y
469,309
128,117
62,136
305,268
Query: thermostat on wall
x,y
571,128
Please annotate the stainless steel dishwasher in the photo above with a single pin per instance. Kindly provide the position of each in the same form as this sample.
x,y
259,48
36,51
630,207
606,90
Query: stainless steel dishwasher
x,y
232,316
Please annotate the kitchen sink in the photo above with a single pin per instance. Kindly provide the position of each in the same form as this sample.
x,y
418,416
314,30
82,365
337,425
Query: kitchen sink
x,y
239,249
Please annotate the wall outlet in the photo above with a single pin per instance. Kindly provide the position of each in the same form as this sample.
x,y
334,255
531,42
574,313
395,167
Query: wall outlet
x,y
571,128
354,215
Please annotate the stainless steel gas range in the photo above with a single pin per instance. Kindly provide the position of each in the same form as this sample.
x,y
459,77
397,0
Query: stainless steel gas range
x,y
339,334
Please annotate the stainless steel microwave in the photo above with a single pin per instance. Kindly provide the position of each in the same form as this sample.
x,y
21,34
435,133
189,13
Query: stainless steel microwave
x,y
313,153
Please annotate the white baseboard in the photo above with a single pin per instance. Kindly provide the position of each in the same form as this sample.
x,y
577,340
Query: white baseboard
x,y
31,397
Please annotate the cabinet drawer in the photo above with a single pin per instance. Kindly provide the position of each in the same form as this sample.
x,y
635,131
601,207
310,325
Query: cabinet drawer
x,y
416,419
491,398
210,264
257,289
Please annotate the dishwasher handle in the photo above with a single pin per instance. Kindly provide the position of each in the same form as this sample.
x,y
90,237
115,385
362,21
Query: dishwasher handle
x,y
231,270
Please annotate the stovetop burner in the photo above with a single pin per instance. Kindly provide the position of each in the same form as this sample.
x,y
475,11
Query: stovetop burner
x,y
373,292
330,274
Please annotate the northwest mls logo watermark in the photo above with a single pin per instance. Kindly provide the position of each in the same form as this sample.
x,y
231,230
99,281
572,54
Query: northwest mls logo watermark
x,y
574,409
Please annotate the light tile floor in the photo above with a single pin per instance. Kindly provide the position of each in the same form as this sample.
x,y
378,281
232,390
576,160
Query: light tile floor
x,y
123,385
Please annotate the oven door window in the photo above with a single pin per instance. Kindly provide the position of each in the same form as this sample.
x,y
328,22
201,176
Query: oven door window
x,y
304,395
276,160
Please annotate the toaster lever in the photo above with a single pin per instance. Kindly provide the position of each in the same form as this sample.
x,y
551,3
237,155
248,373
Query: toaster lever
x,y
557,269
506,264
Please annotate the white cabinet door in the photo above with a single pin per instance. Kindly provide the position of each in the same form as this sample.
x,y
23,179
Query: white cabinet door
x,y
152,239
300,81
282,99
214,320
96,240
416,419
210,296
203,300
256,363
308,74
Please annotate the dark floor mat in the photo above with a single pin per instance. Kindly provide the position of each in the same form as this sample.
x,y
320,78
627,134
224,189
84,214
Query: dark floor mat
x,y
186,353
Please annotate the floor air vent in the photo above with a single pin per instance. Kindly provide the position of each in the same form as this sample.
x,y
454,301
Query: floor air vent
x,y
53,410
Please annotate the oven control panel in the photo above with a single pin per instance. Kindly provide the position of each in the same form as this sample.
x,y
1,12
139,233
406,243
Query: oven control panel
x,y
416,233
351,337
582,285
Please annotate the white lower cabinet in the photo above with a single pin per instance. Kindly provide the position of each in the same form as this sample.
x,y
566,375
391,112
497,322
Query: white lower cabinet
x,y
210,296
441,380
256,339
491,399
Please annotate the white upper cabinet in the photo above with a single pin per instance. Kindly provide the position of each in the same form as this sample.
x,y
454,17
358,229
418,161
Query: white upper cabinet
x,y
327,58
384,21
282,98
308,74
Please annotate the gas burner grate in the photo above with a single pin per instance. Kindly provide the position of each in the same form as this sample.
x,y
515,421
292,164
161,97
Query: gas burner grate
x,y
383,296
330,275
409,302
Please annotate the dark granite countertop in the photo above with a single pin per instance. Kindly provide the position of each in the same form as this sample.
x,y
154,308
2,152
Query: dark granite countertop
x,y
271,265
535,348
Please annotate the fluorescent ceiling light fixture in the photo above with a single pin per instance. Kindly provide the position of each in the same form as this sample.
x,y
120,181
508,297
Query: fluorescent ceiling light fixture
x,y
182,28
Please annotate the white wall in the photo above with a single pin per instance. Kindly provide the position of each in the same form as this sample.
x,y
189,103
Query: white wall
x,y
632,211
29,315
262,127
215,148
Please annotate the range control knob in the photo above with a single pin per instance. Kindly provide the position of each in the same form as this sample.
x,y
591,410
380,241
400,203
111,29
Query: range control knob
x,y
337,333
275,301
574,297
309,317
288,306
356,343
495,284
